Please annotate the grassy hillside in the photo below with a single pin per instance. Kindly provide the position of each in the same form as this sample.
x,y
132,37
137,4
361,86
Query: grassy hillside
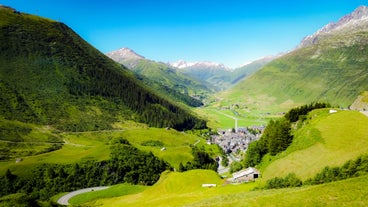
x,y
169,82
333,70
183,189
50,76
165,75
114,191
175,189
343,193
325,140
83,146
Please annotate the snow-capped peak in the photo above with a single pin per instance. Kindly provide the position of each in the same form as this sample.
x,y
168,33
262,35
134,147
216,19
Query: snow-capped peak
x,y
203,64
353,20
124,54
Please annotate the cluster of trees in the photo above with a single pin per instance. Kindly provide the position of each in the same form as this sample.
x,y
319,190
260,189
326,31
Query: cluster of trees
x,y
296,114
276,138
202,160
352,168
126,164
287,182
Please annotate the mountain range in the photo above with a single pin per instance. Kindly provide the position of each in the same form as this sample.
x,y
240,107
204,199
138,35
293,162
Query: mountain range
x,y
205,76
50,76
54,85
330,65
353,22
163,78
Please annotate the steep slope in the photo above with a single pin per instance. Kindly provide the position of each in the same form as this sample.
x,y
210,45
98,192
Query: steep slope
x,y
244,71
333,68
50,76
326,139
163,78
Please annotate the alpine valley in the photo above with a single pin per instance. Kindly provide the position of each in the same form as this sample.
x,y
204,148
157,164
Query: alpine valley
x,y
284,130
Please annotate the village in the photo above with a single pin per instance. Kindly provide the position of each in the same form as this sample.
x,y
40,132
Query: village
x,y
236,140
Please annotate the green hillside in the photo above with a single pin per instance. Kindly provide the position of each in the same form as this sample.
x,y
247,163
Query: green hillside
x,y
332,70
170,82
325,140
50,76
184,189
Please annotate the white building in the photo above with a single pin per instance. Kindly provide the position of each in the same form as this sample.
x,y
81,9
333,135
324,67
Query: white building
x,y
249,174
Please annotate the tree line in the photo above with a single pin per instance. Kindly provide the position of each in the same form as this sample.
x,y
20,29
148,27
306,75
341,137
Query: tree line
x,y
202,160
351,169
277,135
126,164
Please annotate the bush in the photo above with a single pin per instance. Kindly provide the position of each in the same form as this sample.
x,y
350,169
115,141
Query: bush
x,y
235,166
153,143
289,181
352,168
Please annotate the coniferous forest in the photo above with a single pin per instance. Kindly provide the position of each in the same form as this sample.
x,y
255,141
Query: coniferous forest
x,y
49,75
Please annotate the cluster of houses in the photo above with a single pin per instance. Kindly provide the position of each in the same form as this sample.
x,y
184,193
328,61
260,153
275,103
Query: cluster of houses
x,y
236,140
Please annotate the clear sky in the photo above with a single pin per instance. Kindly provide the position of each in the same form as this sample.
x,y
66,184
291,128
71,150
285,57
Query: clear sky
x,y
232,32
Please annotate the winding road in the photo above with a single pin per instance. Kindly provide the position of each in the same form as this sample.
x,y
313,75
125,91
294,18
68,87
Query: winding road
x,y
64,200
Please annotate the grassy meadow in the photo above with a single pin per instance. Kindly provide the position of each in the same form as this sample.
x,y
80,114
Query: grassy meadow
x,y
80,146
176,189
224,118
184,189
325,140
113,191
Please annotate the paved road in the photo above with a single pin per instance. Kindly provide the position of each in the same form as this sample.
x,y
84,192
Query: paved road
x,y
65,199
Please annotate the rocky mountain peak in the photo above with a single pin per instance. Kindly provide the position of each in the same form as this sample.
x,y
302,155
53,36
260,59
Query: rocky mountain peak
x,y
200,65
355,20
124,54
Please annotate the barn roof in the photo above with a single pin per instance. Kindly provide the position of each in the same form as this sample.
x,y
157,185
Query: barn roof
x,y
245,172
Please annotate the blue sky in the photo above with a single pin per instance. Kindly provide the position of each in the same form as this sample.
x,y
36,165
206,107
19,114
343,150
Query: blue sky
x,y
232,32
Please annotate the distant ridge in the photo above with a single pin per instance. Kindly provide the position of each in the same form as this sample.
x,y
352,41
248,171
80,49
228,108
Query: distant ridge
x,y
163,78
356,20
200,64
329,66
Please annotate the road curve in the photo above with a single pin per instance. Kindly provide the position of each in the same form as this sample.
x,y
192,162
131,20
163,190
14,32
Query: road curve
x,y
64,200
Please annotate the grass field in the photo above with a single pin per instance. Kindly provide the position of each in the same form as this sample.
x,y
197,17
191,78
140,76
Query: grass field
x,y
176,189
95,146
328,140
114,191
352,192
224,118
78,147
184,189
